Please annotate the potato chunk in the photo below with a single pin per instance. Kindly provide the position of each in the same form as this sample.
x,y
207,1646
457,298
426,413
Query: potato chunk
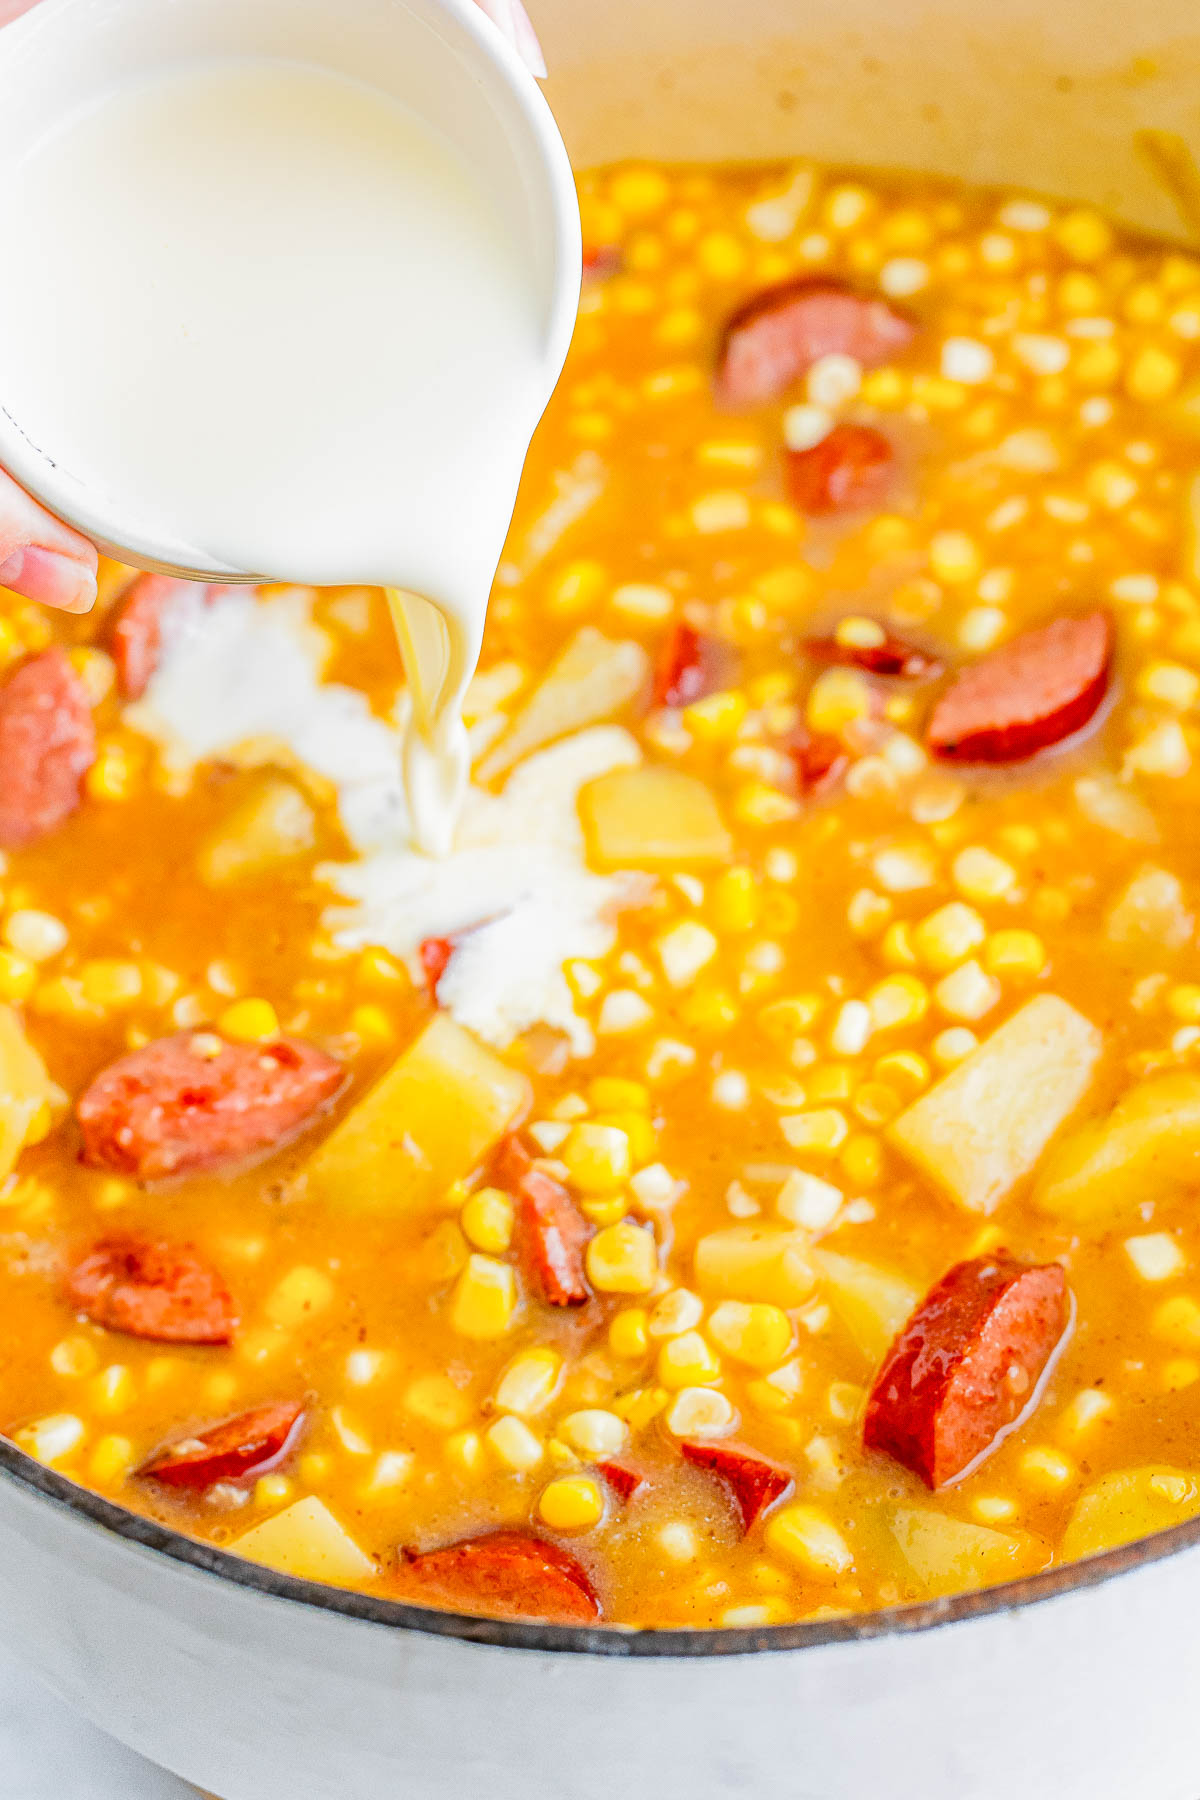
x,y
429,1121
950,1555
1147,1148
872,1303
652,818
1129,1504
755,1262
270,826
1149,915
592,679
306,1540
24,1089
986,1123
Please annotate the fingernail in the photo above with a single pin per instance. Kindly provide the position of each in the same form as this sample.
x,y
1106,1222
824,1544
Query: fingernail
x,y
53,579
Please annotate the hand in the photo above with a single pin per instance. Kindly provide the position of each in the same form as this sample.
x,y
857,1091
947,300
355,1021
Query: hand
x,y
44,559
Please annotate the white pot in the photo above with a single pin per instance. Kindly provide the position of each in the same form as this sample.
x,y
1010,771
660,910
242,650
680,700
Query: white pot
x,y
1080,1684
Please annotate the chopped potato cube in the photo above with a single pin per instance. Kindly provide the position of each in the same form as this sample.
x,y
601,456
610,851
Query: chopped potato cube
x,y
270,826
755,1262
986,1123
1146,1149
1129,1504
306,1540
24,1089
1149,914
872,1303
950,1555
593,679
426,1124
652,818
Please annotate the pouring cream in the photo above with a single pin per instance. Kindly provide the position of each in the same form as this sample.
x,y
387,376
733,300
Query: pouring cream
x,y
317,352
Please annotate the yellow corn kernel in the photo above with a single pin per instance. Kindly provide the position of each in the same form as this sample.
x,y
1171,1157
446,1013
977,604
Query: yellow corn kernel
x,y
301,1294
1180,1372
678,1311
1152,374
752,1332
314,1468
622,1259
613,1094
875,1103
1082,1413
954,557
628,1334
709,1008
74,1356
688,1361
1014,953
110,1461
838,697
110,983
1046,1470
785,1020
861,1160
249,1022
38,936
113,774
530,1382
904,1069
946,937
18,975
52,1439
1083,235
1169,684
900,999
896,946
806,1536
1177,1322
112,1388
375,968
821,1132
604,1209
643,1139
715,719
487,1220
435,1401
980,875
484,1298
1183,1002
594,1432
637,191
465,1450
700,1412
516,1446
735,900
571,1503
757,803
597,1158
371,1024
640,1407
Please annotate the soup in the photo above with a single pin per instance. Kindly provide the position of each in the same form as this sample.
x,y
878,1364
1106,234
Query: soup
x,y
748,1179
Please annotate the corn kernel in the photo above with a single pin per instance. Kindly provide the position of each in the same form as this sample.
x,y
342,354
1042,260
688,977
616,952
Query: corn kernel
x,y
807,1537
1014,953
675,1313
904,1069
688,1361
301,1294
818,1133
948,936
637,192
52,1439
37,936
709,1008
867,912
967,992
594,1432
487,1220
752,1332
1152,374
900,999
110,1461
715,718
622,1259
861,1160
700,1412
514,1444
112,1388
683,951
249,1022
465,1451
735,900
1155,1255
1170,684
597,1158
18,976
571,1503
435,1401
1045,1470
953,1046
1086,1409
74,1356
838,697
954,557
980,875
530,1382
1180,1372
484,1298
112,775
110,983
371,1024
1083,235
1177,1321
628,1335
833,1082
611,1093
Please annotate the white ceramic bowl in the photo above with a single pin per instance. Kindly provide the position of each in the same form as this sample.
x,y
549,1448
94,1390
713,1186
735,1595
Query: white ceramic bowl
x,y
1079,1684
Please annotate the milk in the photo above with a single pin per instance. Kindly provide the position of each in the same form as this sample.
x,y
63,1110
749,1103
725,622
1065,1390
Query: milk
x,y
267,309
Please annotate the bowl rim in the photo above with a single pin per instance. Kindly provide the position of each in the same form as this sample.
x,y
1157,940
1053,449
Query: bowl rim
x,y
141,1533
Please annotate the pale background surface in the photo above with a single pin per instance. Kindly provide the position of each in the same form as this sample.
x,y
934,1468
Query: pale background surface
x,y
47,1752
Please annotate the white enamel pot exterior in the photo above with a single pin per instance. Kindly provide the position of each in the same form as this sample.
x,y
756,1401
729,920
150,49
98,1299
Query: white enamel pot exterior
x,y
1080,1684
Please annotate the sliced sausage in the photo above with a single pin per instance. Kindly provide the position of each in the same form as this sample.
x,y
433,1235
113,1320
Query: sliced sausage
x,y
688,667
754,1484
510,1164
194,1101
849,470
153,1290
47,745
554,1236
890,656
966,1365
779,334
820,758
135,638
624,1481
505,1575
1028,694
434,955
237,1450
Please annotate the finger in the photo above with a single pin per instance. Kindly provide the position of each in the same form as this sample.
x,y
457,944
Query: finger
x,y
516,25
12,9
40,557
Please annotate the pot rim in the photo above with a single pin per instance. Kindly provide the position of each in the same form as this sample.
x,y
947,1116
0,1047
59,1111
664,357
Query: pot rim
x,y
146,1534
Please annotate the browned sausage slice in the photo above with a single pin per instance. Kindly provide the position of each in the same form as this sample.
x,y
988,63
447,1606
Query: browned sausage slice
x,y
1028,694
47,745
688,667
848,470
506,1575
135,639
165,1292
820,758
194,1101
554,1234
237,1450
776,336
624,1481
966,1365
754,1484
890,656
